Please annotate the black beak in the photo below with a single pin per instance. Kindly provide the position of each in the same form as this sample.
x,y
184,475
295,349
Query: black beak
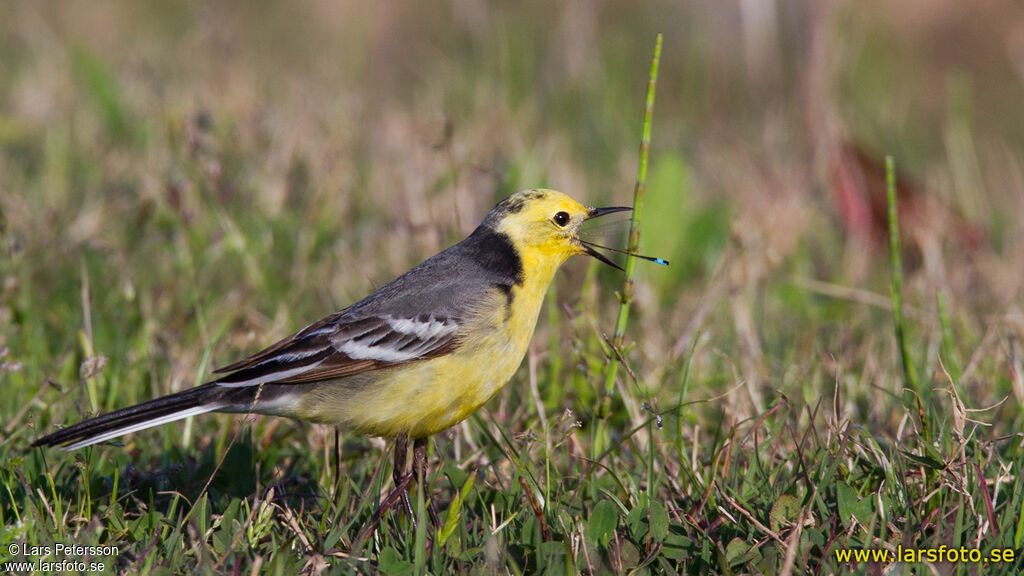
x,y
596,212
601,257
591,248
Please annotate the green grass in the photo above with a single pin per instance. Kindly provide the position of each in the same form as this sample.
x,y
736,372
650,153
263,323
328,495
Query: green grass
x,y
186,185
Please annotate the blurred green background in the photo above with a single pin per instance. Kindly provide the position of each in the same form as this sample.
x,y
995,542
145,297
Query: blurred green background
x,y
182,183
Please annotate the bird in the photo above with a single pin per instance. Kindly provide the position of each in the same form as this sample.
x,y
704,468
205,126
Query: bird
x,y
414,358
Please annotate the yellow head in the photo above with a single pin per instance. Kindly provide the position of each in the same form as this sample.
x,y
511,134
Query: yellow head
x,y
544,226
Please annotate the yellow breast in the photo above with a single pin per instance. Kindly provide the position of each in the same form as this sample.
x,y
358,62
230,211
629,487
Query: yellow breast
x,y
424,398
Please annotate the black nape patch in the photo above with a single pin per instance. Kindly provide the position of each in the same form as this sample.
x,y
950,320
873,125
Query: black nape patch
x,y
495,253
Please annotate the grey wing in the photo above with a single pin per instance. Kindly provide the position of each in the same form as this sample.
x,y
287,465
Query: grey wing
x,y
342,348
397,324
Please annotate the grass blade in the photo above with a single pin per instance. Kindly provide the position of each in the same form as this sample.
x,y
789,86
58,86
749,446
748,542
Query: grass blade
x,y
626,296
896,294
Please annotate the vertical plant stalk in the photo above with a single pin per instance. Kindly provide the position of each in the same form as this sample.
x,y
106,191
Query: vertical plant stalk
x,y
85,339
626,296
896,294
947,348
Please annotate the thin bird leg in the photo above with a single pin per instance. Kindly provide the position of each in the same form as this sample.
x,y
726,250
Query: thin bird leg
x,y
400,476
402,480
419,470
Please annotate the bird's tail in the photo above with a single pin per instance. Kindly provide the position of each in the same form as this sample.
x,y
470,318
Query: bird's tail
x,y
205,398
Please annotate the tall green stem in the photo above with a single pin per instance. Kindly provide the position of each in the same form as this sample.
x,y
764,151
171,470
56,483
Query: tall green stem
x,y
626,296
896,294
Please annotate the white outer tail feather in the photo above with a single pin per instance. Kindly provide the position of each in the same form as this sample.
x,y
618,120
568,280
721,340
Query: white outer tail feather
x,y
143,425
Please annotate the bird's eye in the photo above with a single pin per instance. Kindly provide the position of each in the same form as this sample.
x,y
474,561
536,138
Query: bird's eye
x,y
562,218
